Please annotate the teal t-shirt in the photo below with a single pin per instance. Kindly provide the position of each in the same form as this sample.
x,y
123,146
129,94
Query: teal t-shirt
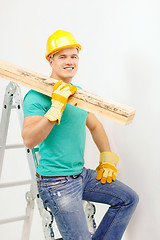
x,y
62,152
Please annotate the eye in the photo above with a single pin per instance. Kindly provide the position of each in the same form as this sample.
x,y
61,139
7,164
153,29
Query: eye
x,y
61,57
75,57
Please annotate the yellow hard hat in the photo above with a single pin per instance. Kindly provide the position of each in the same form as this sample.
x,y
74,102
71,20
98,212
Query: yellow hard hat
x,y
60,40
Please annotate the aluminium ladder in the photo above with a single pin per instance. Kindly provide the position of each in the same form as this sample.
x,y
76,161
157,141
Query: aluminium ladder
x,y
12,100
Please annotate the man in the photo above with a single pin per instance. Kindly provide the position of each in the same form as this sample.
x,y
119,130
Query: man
x,y
59,130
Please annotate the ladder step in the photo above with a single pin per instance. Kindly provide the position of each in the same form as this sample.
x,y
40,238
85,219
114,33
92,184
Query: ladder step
x,y
11,146
13,106
14,219
12,184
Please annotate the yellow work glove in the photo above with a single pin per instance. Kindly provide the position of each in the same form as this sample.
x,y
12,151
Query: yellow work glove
x,y
59,100
107,167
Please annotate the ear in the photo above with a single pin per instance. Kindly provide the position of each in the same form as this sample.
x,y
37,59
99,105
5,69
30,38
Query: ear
x,y
50,60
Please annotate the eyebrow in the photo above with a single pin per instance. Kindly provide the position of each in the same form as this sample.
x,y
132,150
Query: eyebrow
x,y
64,55
75,54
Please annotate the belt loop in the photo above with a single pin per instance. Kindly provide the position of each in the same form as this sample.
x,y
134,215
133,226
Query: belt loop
x,y
75,176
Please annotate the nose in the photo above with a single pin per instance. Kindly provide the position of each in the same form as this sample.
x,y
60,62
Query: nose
x,y
69,61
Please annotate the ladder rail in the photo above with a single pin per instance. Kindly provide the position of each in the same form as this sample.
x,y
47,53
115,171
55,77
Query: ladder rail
x,y
6,111
4,125
13,95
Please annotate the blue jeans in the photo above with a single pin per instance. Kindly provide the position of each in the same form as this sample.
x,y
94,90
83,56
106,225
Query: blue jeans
x,y
64,195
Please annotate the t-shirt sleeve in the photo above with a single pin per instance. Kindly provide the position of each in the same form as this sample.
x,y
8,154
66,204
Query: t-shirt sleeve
x,y
34,104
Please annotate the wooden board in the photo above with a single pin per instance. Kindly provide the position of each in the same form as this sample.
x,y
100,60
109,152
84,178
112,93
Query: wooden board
x,y
82,99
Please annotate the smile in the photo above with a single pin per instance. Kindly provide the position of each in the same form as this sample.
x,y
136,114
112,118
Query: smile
x,y
69,68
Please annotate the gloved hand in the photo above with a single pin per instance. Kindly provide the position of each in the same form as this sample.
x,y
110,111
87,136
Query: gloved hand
x,y
107,167
59,100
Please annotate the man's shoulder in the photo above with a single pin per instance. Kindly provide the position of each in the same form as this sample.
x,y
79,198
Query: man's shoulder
x,y
35,103
33,96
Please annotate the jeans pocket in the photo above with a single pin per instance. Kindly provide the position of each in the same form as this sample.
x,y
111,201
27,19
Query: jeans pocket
x,y
56,184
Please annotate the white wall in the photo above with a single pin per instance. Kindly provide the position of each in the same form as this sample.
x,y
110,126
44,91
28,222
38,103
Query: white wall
x,y
119,60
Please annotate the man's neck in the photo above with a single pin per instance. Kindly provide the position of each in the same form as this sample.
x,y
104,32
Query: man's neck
x,y
66,80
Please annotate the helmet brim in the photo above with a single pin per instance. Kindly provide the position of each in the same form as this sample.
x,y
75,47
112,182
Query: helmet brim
x,y
78,46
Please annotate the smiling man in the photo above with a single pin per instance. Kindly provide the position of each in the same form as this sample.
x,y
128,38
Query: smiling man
x,y
64,64
60,130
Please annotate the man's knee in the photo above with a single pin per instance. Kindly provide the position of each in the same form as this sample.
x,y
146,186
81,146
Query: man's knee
x,y
132,198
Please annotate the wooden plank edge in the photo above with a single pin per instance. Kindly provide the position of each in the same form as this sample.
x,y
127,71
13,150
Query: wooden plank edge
x,y
74,100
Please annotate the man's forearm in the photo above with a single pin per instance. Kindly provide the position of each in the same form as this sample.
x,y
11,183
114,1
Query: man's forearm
x,y
100,138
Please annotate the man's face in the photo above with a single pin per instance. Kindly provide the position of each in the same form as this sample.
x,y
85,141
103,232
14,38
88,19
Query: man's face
x,y
64,64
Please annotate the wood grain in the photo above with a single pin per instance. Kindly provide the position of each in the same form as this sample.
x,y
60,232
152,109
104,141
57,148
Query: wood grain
x,y
82,99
